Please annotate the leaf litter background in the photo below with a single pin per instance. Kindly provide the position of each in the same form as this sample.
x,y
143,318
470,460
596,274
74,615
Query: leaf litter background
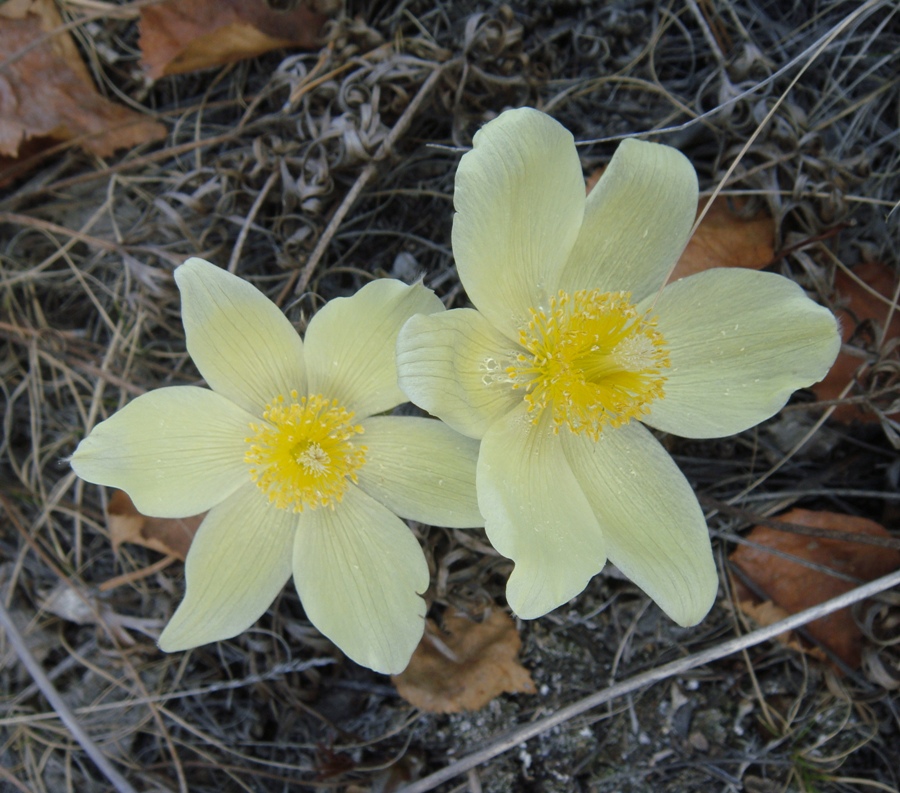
x,y
311,171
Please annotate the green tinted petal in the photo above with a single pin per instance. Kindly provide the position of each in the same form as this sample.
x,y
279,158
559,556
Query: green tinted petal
x,y
519,201
359,572
654,529
176,451
422,470
244,347
351,344
451,365
537,515
636,222
239,561
741,342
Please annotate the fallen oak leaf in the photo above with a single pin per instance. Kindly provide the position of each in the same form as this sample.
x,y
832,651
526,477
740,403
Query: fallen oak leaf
x,y
178,36
171,536
464,666
793,586
765,613
47,95
862,318
727,238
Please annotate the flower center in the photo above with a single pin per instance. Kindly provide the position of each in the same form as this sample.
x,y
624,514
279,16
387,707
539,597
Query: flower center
x,y
591,359
303,454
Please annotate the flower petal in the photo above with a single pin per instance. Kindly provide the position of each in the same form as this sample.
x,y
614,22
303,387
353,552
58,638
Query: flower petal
x,y
422,470
537,514
358,570
740,343
176,451
351,344
637,221
239,561
244,347
519,201
655,531
451,365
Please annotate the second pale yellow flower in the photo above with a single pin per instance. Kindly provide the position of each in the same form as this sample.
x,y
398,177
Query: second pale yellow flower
x,y
575,342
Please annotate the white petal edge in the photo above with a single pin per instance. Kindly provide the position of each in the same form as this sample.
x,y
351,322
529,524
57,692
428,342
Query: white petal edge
x,y
451,365
176,451
244,347
239,560
422,470
637,221
351,344
359,571
519,202
537,514
741,342
655,531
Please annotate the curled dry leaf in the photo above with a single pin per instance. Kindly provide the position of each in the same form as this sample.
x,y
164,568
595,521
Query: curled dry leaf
x,y
47,95
171,536
863,304
178,36
793,587
464,666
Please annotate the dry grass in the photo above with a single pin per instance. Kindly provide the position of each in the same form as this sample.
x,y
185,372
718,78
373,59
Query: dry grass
x,y
794,106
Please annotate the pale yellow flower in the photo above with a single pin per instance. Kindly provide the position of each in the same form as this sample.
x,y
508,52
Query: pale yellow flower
x,y
298,473
575,342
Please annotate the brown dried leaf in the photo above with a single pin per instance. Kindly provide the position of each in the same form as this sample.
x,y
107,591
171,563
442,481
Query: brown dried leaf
x,y
171,536
862,317
464,666
178,36
794,587
725,238
765,613
46,92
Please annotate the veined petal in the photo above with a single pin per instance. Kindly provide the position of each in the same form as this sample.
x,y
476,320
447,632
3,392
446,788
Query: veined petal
x,y
637,221
359,570
239,561
176,451
537,514
244,347
422,470
351,343
655,531
452,364
519,201
740,343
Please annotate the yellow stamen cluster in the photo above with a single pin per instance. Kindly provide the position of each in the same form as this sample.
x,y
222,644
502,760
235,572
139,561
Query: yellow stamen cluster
x,y
304,455
591,359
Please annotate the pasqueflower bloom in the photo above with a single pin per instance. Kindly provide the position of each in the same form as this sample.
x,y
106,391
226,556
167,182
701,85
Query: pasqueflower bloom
x,y
575,342
297,471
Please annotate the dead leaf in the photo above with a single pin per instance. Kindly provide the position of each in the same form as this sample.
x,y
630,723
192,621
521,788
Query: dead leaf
x,y
464,666
47,95
726,238
178,36
765,613
794,587
862,318
171,536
